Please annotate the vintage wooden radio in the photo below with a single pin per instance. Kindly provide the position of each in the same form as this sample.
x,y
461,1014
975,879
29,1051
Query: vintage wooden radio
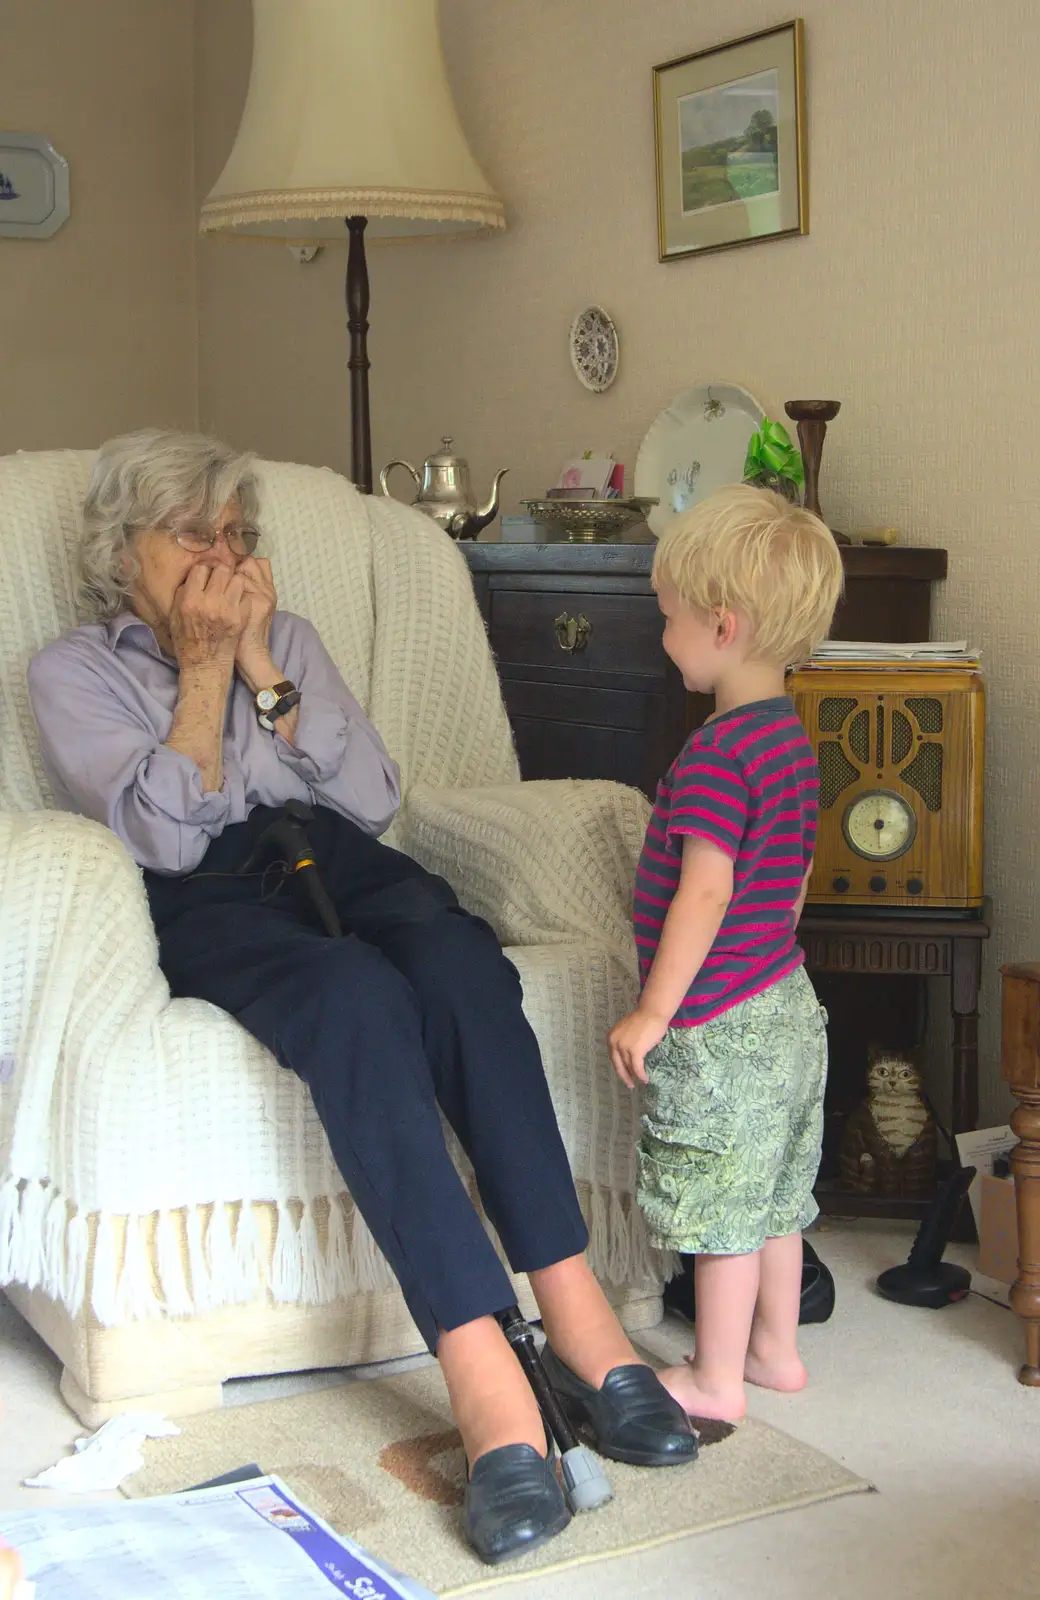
x,y
900,751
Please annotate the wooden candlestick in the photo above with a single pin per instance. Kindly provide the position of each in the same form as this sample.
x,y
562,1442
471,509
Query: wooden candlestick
x,y
812,417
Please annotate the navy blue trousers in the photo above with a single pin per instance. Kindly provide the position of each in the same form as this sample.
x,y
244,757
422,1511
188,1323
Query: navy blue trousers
x,y
415,1007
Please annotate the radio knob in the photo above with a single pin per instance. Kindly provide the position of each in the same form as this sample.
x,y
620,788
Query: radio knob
x,y
878,885
914,886
840,885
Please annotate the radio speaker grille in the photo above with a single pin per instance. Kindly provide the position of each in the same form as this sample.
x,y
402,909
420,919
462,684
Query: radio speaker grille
x,y
836,772
833,712
929,714
925,775
859,737
902,737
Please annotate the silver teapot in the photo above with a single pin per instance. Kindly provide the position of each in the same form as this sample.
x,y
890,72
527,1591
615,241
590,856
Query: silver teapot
x,y
443,492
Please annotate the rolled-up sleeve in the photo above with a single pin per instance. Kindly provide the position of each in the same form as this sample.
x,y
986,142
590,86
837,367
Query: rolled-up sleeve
x,y
105,762
335,749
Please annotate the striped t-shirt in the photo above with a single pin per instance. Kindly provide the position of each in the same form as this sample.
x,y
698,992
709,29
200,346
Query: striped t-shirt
x,y
747,782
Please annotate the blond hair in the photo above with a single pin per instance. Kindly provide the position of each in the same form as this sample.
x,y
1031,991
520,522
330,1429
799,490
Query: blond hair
x,y
750,550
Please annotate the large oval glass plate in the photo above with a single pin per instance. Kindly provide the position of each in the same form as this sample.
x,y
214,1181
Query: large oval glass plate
x,y
694,447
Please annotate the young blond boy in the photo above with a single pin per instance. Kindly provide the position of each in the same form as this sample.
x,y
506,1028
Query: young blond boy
x,y
728,1036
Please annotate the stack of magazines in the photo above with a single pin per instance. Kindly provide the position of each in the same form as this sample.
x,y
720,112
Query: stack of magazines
x,y
929,652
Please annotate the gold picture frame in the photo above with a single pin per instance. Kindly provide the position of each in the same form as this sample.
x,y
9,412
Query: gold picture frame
x,y
723,181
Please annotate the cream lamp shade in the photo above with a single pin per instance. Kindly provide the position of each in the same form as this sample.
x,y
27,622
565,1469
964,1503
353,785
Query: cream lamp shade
x,y
349,113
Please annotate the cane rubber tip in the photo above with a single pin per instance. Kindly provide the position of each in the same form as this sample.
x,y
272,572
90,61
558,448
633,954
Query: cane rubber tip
x,y
585,1484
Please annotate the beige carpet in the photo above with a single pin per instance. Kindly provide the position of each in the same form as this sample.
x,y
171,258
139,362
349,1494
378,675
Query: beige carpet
x,y
381,1461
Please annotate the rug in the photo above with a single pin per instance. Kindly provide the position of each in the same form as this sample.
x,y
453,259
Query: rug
x,y
380,1460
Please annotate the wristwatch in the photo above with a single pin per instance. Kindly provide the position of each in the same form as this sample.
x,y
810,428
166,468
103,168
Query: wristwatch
x,y
275,702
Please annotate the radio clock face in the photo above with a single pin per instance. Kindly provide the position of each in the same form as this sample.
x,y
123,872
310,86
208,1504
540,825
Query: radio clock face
x,y
879,825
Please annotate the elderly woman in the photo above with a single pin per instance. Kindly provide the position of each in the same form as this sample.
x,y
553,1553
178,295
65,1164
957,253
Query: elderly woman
x,y
184,718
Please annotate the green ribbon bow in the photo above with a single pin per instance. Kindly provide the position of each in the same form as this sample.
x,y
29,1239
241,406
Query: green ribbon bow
x,y
771,450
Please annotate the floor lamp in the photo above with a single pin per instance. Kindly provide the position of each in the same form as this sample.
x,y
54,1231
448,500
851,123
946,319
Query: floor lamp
x,y
349,128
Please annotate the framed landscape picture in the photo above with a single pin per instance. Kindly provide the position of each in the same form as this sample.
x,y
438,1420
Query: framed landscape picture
x,y
730,137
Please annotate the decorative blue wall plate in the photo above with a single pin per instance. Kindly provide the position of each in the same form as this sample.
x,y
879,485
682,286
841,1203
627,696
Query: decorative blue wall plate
x,y
34,187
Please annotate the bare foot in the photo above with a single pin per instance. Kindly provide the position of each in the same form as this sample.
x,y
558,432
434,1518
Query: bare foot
x,y
787,1375
702,1398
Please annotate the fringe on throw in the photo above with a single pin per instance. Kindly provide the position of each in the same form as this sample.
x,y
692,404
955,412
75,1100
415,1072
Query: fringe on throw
x,y
186,1262
169,1264
619,1250
247,1263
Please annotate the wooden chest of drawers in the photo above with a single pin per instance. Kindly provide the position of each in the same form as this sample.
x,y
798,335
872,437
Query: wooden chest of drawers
x,y
577,636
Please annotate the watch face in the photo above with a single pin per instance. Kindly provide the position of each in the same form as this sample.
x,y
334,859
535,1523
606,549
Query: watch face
x,y
267,699
880,825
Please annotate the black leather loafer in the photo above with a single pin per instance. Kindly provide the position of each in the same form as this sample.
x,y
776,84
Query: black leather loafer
x,y
513,1503
817,1304
632,1418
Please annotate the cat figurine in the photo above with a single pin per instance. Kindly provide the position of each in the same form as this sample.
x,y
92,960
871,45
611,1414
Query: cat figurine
x,y
889,1144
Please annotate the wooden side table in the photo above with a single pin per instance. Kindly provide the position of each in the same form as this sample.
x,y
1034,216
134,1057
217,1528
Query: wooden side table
x,y
891,945
1020,1064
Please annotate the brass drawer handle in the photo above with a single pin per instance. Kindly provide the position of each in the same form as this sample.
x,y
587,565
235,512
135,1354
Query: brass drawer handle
x,y
573,633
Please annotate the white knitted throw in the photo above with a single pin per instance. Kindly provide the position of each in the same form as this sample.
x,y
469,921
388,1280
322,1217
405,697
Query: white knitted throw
x,y
122,1113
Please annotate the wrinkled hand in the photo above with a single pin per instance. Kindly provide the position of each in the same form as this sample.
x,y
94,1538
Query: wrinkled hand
x,y
630,1042
207,617
261,601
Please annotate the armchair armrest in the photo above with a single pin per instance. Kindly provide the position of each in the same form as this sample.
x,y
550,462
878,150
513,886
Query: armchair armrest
x,y
542,862
80,960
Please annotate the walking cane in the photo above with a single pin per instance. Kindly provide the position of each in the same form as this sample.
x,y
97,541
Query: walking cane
x,y
585,1484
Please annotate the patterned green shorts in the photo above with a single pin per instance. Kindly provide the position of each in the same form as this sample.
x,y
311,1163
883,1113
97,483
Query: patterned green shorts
x,y
733,1124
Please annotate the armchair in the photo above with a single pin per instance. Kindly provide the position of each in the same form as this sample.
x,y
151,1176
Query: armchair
x,y
170,1215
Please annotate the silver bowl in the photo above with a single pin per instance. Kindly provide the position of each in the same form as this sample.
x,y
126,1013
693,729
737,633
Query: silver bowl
x,y
589,521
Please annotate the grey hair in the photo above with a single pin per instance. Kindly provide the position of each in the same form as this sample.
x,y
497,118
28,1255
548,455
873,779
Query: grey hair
x,y
146,480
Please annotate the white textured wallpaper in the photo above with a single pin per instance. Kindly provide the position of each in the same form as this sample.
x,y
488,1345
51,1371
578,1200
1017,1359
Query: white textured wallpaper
x,y
914,300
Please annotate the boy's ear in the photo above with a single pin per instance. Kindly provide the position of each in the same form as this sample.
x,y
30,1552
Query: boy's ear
x,y
725,627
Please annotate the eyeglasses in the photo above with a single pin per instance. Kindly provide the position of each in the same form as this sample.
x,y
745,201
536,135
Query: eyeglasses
x,y
241,539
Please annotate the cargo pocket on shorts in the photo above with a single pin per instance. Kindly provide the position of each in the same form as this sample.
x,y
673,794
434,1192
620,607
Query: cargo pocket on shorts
x,y
675,1188
681,1162
666,1176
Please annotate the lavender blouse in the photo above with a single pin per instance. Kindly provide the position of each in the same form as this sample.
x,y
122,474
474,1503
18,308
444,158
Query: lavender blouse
x,y
104,698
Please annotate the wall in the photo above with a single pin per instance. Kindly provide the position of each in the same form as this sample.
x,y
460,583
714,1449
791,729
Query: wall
x,y
97,324
272,334
914,300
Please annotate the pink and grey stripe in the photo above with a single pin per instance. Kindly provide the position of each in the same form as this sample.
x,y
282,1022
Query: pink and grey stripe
x,y
746,782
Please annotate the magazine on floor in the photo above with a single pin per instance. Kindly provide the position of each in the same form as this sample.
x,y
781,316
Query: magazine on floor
x,y
242,1541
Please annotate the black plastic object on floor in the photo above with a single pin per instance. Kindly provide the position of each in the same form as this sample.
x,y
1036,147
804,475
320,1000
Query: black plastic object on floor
x,y
817,1289
926,1279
